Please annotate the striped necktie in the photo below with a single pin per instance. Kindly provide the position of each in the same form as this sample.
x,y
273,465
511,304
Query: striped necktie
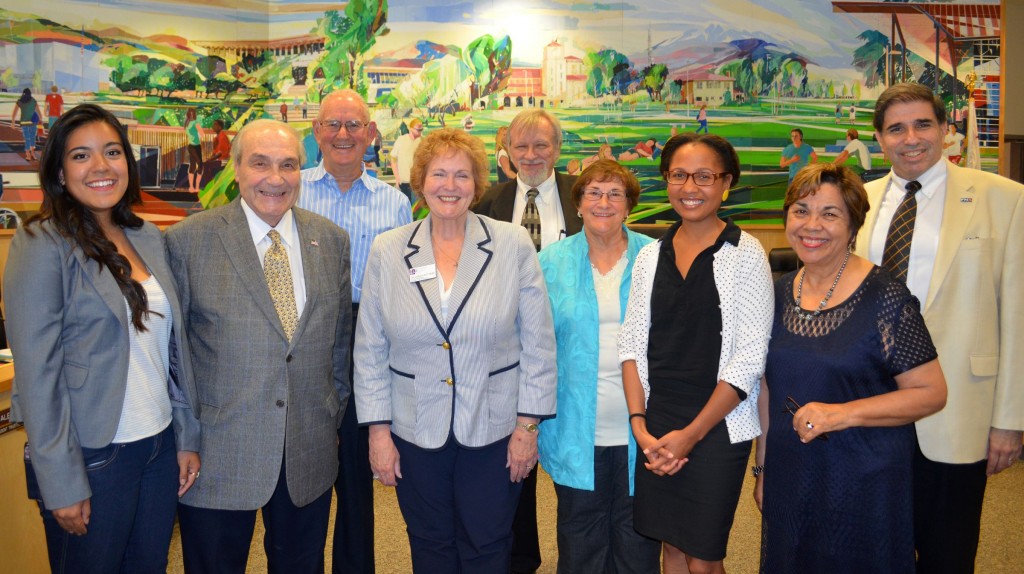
x,y
278,272
896,255
531,217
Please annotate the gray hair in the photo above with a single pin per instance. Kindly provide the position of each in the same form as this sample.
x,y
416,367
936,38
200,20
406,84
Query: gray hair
x,y
236,144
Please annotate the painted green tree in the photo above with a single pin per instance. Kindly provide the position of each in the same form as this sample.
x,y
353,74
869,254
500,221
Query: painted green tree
x,y
869,58
654,80
489,64
609,72
348,35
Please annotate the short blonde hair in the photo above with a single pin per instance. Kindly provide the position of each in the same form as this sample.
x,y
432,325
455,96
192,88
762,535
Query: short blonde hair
x,y
447,142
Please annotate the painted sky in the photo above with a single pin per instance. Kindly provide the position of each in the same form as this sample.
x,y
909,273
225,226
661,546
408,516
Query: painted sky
x,y
806,26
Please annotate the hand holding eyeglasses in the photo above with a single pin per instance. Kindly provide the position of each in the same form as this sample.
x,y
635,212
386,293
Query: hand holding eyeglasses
x,y
814,420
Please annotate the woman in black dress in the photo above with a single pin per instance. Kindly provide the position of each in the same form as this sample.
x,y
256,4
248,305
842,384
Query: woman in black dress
x,y
702,297
849,345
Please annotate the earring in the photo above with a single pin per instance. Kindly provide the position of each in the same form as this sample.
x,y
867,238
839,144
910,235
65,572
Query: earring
x,y
725,196
579,214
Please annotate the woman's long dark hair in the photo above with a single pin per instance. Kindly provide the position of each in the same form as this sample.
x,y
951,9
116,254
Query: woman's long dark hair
x,y
77,223
26,96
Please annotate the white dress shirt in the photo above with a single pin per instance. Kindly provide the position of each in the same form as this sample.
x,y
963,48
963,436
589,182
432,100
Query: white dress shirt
x,y
290,238
549,204
925,245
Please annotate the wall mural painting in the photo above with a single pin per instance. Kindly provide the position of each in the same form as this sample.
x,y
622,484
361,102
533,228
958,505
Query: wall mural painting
x,y
622,76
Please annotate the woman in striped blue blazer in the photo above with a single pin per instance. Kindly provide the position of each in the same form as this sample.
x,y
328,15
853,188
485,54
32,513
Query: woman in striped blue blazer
x,y
454,363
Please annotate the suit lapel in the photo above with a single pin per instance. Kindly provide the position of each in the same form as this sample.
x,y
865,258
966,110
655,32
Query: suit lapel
x,y
241,252
956,214
419,252
105,285
505,203
476,255
564,183
312,266
875,195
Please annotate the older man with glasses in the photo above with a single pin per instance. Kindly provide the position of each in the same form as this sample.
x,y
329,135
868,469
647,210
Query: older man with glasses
x,y
340,189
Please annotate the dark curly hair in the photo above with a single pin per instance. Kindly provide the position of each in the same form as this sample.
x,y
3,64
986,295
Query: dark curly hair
x,y
78,224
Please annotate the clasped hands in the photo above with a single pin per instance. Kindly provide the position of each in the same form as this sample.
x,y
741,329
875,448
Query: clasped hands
x,y
668,454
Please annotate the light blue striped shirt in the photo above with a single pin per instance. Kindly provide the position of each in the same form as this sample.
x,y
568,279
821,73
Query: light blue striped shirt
x,y
370,207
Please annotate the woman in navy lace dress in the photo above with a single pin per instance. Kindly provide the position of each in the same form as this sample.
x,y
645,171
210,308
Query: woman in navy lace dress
x,y
850,366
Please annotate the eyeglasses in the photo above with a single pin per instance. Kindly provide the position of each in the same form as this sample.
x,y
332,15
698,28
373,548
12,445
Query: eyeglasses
x,y
614,196
701,178
792,407
334,126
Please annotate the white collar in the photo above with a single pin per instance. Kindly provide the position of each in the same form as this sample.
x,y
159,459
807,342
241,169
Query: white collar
x,y
545,189
259,228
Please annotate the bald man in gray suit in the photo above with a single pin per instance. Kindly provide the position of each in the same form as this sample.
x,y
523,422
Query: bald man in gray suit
x,y
271,370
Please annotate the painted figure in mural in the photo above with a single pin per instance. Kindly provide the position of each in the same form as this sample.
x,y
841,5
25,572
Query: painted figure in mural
x,y
953,144
702,118
965,266
402,154
54,105
839,112
853,114
371,156
506,170
540,199
104,380
692,348
604,151
648,149
221,145
849,345
588,449
474,319
305,109
266,300
855,147
342,190
195,150
284,111
797,154
26,114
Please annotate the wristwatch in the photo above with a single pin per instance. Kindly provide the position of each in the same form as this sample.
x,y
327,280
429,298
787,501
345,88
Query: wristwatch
x,y
756,470
528,427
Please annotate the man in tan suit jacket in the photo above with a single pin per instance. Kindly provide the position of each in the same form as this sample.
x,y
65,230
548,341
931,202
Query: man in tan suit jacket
x,y
966,266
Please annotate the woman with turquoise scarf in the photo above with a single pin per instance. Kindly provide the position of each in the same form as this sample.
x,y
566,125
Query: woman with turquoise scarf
x,y
588,449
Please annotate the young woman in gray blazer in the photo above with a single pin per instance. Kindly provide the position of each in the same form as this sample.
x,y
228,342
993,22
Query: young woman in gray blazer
x,y
103,383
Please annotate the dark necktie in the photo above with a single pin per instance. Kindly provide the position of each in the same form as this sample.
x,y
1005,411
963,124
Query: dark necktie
x,y
896,256
531,217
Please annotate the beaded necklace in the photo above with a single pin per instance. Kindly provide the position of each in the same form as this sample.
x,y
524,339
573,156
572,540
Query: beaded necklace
x,y
808,315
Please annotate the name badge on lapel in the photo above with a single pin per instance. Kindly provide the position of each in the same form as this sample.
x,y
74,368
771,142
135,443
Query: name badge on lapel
x,y
417,274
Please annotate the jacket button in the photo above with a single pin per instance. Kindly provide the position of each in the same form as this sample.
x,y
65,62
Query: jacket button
x,y
449,381
445,346
288,359
280,403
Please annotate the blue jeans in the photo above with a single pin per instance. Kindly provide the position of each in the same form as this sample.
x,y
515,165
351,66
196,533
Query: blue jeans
x,y
29,133
595,528
134,497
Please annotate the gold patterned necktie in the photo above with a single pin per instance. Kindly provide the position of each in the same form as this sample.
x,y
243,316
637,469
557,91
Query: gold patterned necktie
x,y
531,217
896,255
279,280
